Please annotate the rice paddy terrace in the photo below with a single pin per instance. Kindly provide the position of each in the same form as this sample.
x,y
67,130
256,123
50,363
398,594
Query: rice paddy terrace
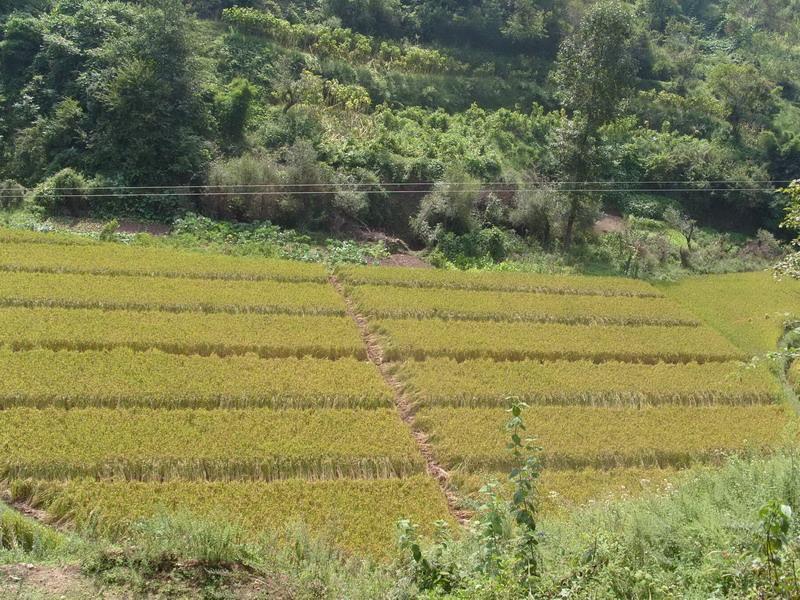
x,y
266,392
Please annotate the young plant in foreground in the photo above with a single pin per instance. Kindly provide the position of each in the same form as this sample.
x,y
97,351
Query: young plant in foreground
x,y
502,540
778,550
523,504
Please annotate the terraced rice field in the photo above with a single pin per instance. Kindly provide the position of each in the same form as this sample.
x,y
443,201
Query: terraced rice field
x,y
626,384
750,309
143,380
139,380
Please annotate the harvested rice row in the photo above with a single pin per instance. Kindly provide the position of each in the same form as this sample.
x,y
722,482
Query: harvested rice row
x,y
579,437
403,302
268,336
519,282
23,236
476,383
462,340
125,378
32,253
164,293
357,516
564,490
156,445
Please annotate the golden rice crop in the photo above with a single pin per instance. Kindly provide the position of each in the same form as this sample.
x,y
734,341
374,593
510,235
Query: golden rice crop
x,y
399,302
577,437
257,444
117,259
269,336
358,516
125,378
483,382
484,280
164,293
750,309
414,338
564,490
14,236
794,373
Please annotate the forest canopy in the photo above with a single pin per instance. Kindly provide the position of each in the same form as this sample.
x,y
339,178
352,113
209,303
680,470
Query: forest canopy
x,y
424,118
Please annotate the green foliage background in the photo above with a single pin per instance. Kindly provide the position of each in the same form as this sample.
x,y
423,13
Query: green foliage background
x,y
169,93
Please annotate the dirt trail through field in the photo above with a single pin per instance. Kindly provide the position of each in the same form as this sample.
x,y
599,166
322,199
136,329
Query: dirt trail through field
x,y
403,403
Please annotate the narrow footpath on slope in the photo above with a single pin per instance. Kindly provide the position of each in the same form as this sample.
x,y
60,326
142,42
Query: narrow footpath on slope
x,y
403,403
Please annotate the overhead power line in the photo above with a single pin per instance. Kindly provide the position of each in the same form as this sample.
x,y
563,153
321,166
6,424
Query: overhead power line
x,y
386,186
328,192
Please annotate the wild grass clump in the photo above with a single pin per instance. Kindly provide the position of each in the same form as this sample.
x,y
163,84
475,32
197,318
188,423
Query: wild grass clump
x,y
705,538
21,537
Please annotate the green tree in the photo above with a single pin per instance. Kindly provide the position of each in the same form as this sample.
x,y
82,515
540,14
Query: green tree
x,y
748,96
595,71
790,265
152,121
50,144
21,40
377,17
233,106
526,22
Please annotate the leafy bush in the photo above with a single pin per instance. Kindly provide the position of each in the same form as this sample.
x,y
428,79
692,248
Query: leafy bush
x,y
244,189
647,206
483,246
540,214
64,192
12,194
447,209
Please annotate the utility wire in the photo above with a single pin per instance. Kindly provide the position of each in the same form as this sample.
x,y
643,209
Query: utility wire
x,y
477,185
328,192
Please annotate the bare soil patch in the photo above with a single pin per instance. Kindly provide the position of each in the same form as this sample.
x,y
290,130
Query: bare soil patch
x,y
610,224
125,226
44,581
404,260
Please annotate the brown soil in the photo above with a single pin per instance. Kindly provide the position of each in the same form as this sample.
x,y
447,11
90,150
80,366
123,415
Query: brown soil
x,y
405,406
125,226
404,260
609,224
39,581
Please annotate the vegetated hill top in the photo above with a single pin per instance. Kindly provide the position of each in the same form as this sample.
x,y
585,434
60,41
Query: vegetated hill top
x,y
397,95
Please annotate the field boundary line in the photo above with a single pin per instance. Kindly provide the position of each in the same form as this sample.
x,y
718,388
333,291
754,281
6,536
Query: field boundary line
x,y
542,318
144,273
403,403
124,306
28,510
547,291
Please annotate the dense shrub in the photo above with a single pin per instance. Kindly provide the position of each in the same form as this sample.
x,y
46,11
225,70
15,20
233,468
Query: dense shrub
x,y
65,192
11,194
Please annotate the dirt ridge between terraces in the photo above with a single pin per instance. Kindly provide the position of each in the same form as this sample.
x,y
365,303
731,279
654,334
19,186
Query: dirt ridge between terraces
x,y
403,403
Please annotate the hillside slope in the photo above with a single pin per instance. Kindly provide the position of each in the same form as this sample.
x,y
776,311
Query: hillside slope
x,y
395,95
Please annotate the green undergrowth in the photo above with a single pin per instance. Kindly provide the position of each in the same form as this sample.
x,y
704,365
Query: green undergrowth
x,y
195,232
23,539
702,538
